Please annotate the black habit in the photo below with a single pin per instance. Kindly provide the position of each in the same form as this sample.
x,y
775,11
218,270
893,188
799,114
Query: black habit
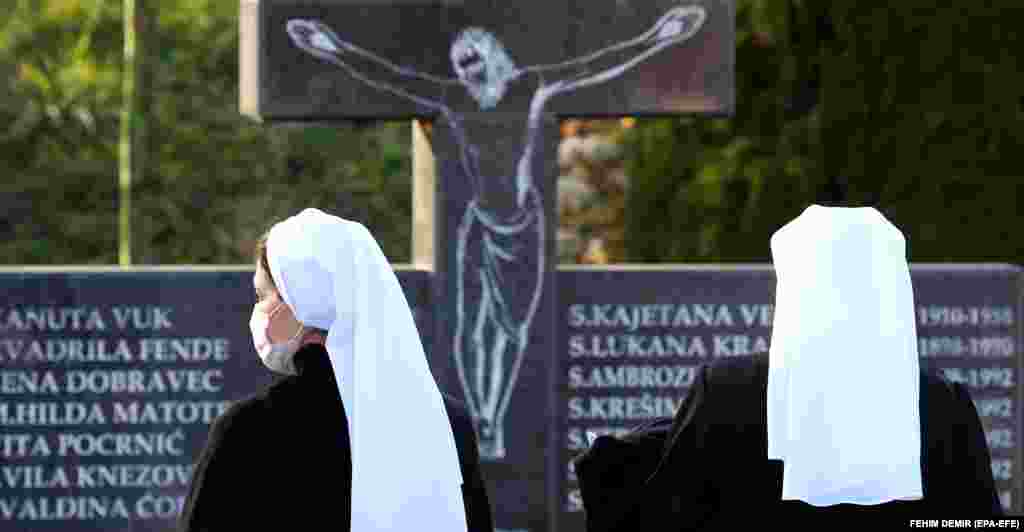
x,y
281,460
708,468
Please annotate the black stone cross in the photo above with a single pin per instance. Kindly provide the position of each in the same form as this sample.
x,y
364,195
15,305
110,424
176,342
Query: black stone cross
x,y
493,77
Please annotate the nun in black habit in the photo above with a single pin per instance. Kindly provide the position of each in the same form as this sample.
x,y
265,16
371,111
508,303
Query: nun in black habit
x,y
837,425
332,321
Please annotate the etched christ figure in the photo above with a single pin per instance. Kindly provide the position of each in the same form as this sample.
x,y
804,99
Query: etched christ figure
x,y
501,238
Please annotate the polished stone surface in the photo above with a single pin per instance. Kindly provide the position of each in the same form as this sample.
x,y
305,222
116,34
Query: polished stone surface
x,y
694,75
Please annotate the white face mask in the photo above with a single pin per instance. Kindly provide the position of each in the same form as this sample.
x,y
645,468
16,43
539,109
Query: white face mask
x,y
276,357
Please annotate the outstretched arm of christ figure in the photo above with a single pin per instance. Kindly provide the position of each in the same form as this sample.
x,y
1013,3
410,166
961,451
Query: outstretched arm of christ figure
x,y
320,41
677,25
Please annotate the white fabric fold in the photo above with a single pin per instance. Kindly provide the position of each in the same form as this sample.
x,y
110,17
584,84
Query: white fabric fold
x,y
843,382
405,467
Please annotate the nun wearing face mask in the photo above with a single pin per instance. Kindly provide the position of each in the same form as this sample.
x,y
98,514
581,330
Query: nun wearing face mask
x,y
836,426
355,434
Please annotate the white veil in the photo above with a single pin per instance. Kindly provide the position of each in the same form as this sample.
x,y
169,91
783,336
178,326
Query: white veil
x,y
843,382
405,467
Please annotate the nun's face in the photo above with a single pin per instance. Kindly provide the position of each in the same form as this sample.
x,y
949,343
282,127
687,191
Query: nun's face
x,y
283,323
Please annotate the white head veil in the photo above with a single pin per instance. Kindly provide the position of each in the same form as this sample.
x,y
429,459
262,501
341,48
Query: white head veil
x,y
405,468
843,381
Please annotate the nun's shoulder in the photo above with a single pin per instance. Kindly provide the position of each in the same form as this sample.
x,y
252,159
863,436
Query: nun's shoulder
x,y
237,419
738,369
935,386
254,408
934,376
457,411
454,404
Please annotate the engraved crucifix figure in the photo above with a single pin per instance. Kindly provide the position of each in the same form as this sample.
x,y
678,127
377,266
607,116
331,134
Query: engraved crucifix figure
x,y
501,237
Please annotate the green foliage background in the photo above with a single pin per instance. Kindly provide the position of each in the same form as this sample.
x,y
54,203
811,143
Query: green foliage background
x,y
213,180
920,108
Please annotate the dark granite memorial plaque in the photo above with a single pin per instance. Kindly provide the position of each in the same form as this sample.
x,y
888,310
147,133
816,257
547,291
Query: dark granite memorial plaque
x,y
491,286
392,60
108,384
694,76
632,339
109,380
493,76
969,328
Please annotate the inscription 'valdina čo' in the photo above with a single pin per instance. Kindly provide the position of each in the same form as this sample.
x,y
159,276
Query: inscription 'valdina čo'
x,y
64,508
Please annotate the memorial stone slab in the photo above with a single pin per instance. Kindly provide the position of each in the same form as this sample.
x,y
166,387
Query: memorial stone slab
x,y
632,338
494,77
109,381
